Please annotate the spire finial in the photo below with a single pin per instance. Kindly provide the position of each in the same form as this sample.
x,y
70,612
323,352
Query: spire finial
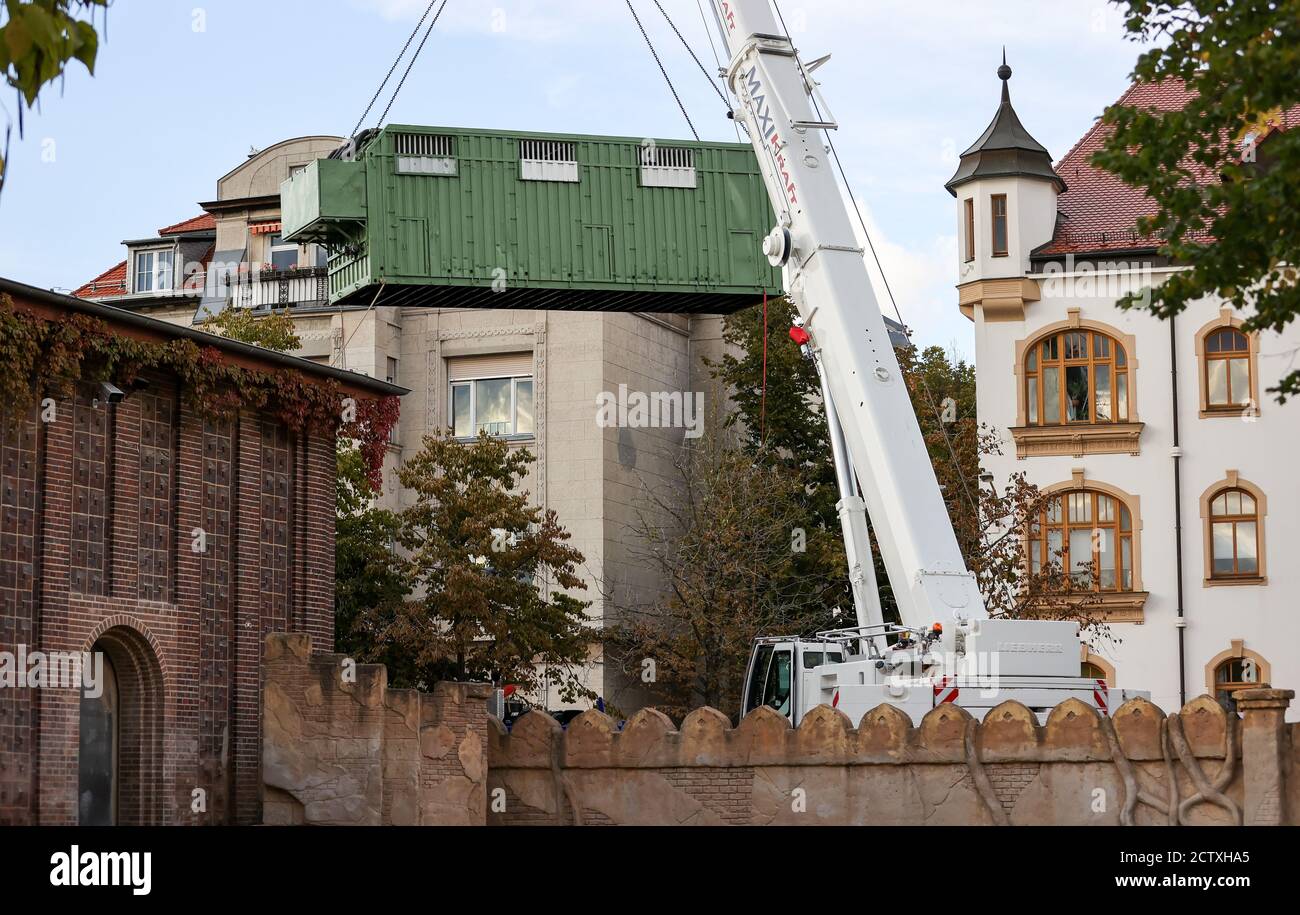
x,y
1004,74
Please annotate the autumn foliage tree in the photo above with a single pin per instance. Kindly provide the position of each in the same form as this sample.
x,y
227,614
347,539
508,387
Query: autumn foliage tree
x,y
274,330
786,427
727,540
489,576
38,40
1223,172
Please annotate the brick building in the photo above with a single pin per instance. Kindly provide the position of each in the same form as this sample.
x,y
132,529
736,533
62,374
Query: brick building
x,y
168,545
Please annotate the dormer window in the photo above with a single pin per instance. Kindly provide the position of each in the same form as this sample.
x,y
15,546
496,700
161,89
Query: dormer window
x,y
998,207
153,270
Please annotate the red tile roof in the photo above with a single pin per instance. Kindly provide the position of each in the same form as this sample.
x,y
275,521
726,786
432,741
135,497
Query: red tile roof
x,y
197,224
1100,211
109,283
112,281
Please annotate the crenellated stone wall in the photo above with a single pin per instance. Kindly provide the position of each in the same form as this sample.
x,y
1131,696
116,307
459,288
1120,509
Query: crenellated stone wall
x,y
342,749
1201,766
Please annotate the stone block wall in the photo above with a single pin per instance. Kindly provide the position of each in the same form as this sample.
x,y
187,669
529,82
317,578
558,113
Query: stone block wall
x,y
341,748
346,749
1201,766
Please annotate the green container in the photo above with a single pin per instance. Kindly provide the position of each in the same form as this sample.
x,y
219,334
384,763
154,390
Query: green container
x,y
497,219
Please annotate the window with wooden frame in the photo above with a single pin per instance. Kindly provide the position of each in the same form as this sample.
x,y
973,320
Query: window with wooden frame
x,y
998,208
1234,527
1090,534
1227,370
1232,675
1076,376
969,229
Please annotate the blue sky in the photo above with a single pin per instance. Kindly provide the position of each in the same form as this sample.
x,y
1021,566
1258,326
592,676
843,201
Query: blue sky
x,y
184,89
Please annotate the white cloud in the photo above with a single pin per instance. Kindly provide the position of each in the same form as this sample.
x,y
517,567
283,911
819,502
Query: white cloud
x,y
922,280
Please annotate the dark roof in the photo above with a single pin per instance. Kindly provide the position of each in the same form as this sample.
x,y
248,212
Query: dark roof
x,y
1005,148
152,327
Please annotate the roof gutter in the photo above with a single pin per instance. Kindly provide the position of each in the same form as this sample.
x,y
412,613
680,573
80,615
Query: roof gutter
x,y
245,351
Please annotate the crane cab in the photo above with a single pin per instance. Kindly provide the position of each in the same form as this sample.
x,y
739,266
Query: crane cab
x,y
780,674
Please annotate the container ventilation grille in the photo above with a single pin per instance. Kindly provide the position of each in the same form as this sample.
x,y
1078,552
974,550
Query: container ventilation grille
x,y
425,154
667,166
548,160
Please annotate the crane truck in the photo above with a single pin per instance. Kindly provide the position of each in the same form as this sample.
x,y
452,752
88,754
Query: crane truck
x,y
945,647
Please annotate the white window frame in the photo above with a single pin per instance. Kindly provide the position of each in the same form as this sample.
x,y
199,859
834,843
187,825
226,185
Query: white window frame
x,y
155,286
472,384
271,248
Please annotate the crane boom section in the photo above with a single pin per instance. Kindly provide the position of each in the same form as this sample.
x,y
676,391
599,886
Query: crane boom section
x,y
828,282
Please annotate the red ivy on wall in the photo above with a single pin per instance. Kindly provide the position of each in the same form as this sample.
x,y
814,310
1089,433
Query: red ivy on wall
x,y
43,357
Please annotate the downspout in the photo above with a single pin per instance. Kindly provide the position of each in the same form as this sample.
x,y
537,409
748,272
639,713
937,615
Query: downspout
x,y
1177,453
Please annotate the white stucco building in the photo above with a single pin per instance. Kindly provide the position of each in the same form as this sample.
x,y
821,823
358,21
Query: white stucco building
x,y
1176,469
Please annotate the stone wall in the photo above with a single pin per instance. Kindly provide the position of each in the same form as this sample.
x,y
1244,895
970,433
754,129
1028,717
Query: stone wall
x,y
353,751
1201,766
341,748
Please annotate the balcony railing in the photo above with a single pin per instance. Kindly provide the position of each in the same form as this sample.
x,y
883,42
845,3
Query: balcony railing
x,y
280,288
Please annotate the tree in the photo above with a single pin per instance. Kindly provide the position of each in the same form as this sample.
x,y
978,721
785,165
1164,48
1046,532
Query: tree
x,y
989,522
38,39
779,422
479,562
727,541
1223,174
273,331
368,573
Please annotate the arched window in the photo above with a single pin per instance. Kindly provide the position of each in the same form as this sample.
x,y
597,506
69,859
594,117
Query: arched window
x,y
1234,535
1236,669
1233,510
1088,532
1076,376
1091,671
1227,370
1232,675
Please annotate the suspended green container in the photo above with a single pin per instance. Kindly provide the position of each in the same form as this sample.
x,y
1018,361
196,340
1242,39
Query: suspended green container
x,y
496,219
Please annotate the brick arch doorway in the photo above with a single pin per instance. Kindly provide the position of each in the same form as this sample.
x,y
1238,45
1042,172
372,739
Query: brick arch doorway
x,y
120,747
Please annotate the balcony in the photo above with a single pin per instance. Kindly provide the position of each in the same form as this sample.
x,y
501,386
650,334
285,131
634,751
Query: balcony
x,y
266,288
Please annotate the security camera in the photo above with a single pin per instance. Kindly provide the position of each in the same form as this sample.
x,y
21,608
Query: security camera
x,y
110,392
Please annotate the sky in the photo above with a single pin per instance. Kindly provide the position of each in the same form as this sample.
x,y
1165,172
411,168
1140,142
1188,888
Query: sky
x,y
182,92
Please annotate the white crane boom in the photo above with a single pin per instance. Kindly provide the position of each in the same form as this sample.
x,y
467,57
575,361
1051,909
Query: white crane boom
x,y
828,282
877,444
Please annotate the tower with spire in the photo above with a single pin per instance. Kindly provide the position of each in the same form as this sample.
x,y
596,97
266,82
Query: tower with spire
x,y
1006,192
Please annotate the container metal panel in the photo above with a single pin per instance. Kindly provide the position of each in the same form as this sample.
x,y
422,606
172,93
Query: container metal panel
x,y
478,222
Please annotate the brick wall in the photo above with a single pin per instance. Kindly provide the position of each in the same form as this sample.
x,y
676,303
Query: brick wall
x,y
99,505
